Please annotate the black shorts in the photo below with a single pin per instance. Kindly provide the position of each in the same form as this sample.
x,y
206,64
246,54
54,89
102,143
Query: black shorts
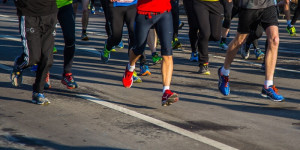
x,y
250,18
76,1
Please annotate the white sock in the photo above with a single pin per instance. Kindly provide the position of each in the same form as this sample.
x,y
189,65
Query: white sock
x,y
268,83
224,71
166,88
130,68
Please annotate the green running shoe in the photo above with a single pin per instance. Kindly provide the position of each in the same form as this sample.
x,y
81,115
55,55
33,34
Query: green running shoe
x,y
291,30
155,58
176,44
136,78
105,55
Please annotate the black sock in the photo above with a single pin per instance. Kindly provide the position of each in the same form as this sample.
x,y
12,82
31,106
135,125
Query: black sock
x,y
83,30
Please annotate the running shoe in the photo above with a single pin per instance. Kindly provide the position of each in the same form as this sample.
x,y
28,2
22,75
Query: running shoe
x,y
54,49
259,54
223,46
47,84
169,98
204,69
16,77
34,68
136,78
224,87
101,10
39,98
194,56
176,44
144,70
93,10
272,93
291,30
245,52
180,25
155,58
68,80
113,49
105,55
84,37
127,78
121,45
228,34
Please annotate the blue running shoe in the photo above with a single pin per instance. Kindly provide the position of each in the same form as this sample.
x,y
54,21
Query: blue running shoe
x,y
272,93
93,10
228,35
34,68
194,56
224,87
180,24
39,98
259,54
144,70
121,44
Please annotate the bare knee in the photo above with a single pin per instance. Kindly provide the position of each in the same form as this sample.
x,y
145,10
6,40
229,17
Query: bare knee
x,y
274,41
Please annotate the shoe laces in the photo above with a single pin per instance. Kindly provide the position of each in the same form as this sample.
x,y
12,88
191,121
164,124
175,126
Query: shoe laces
x,y
128,74
69,77
226,79
275,89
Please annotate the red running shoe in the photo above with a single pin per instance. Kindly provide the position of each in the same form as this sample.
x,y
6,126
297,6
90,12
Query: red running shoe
x,y
68,80
127,78
169,98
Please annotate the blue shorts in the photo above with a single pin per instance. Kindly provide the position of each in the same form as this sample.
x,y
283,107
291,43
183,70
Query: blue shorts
x,y
164,28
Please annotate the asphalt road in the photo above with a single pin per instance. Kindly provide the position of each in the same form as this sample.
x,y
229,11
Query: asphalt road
x,y
102,114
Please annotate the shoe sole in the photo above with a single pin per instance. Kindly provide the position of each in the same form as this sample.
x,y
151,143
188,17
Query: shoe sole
x,y
129,85
85,39
146,73
172,99
47,87
205,73
138,81
223,49
68,87
266,96
157,62
193,60
45,103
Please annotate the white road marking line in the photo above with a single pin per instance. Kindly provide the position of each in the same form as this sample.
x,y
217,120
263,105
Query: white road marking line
x,y
12,38
160,123
258,64
5,67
